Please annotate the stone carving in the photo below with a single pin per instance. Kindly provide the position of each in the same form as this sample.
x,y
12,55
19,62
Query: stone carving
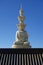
x,y
21,34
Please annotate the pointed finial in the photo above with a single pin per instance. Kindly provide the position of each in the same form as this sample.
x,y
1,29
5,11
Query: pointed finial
x,y
21,10
21,6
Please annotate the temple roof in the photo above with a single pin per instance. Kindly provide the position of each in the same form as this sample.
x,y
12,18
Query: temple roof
x,y
29,56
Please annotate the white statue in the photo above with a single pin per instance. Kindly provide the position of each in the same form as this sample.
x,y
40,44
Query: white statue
x,y
21,36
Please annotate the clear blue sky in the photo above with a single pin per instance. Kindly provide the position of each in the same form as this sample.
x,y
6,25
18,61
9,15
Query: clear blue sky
x,y
9,11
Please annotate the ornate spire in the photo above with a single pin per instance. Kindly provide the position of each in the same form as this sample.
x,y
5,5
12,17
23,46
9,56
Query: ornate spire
x,y
21,18
21,11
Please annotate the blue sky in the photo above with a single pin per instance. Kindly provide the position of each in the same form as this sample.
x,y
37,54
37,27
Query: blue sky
x,y
33,12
